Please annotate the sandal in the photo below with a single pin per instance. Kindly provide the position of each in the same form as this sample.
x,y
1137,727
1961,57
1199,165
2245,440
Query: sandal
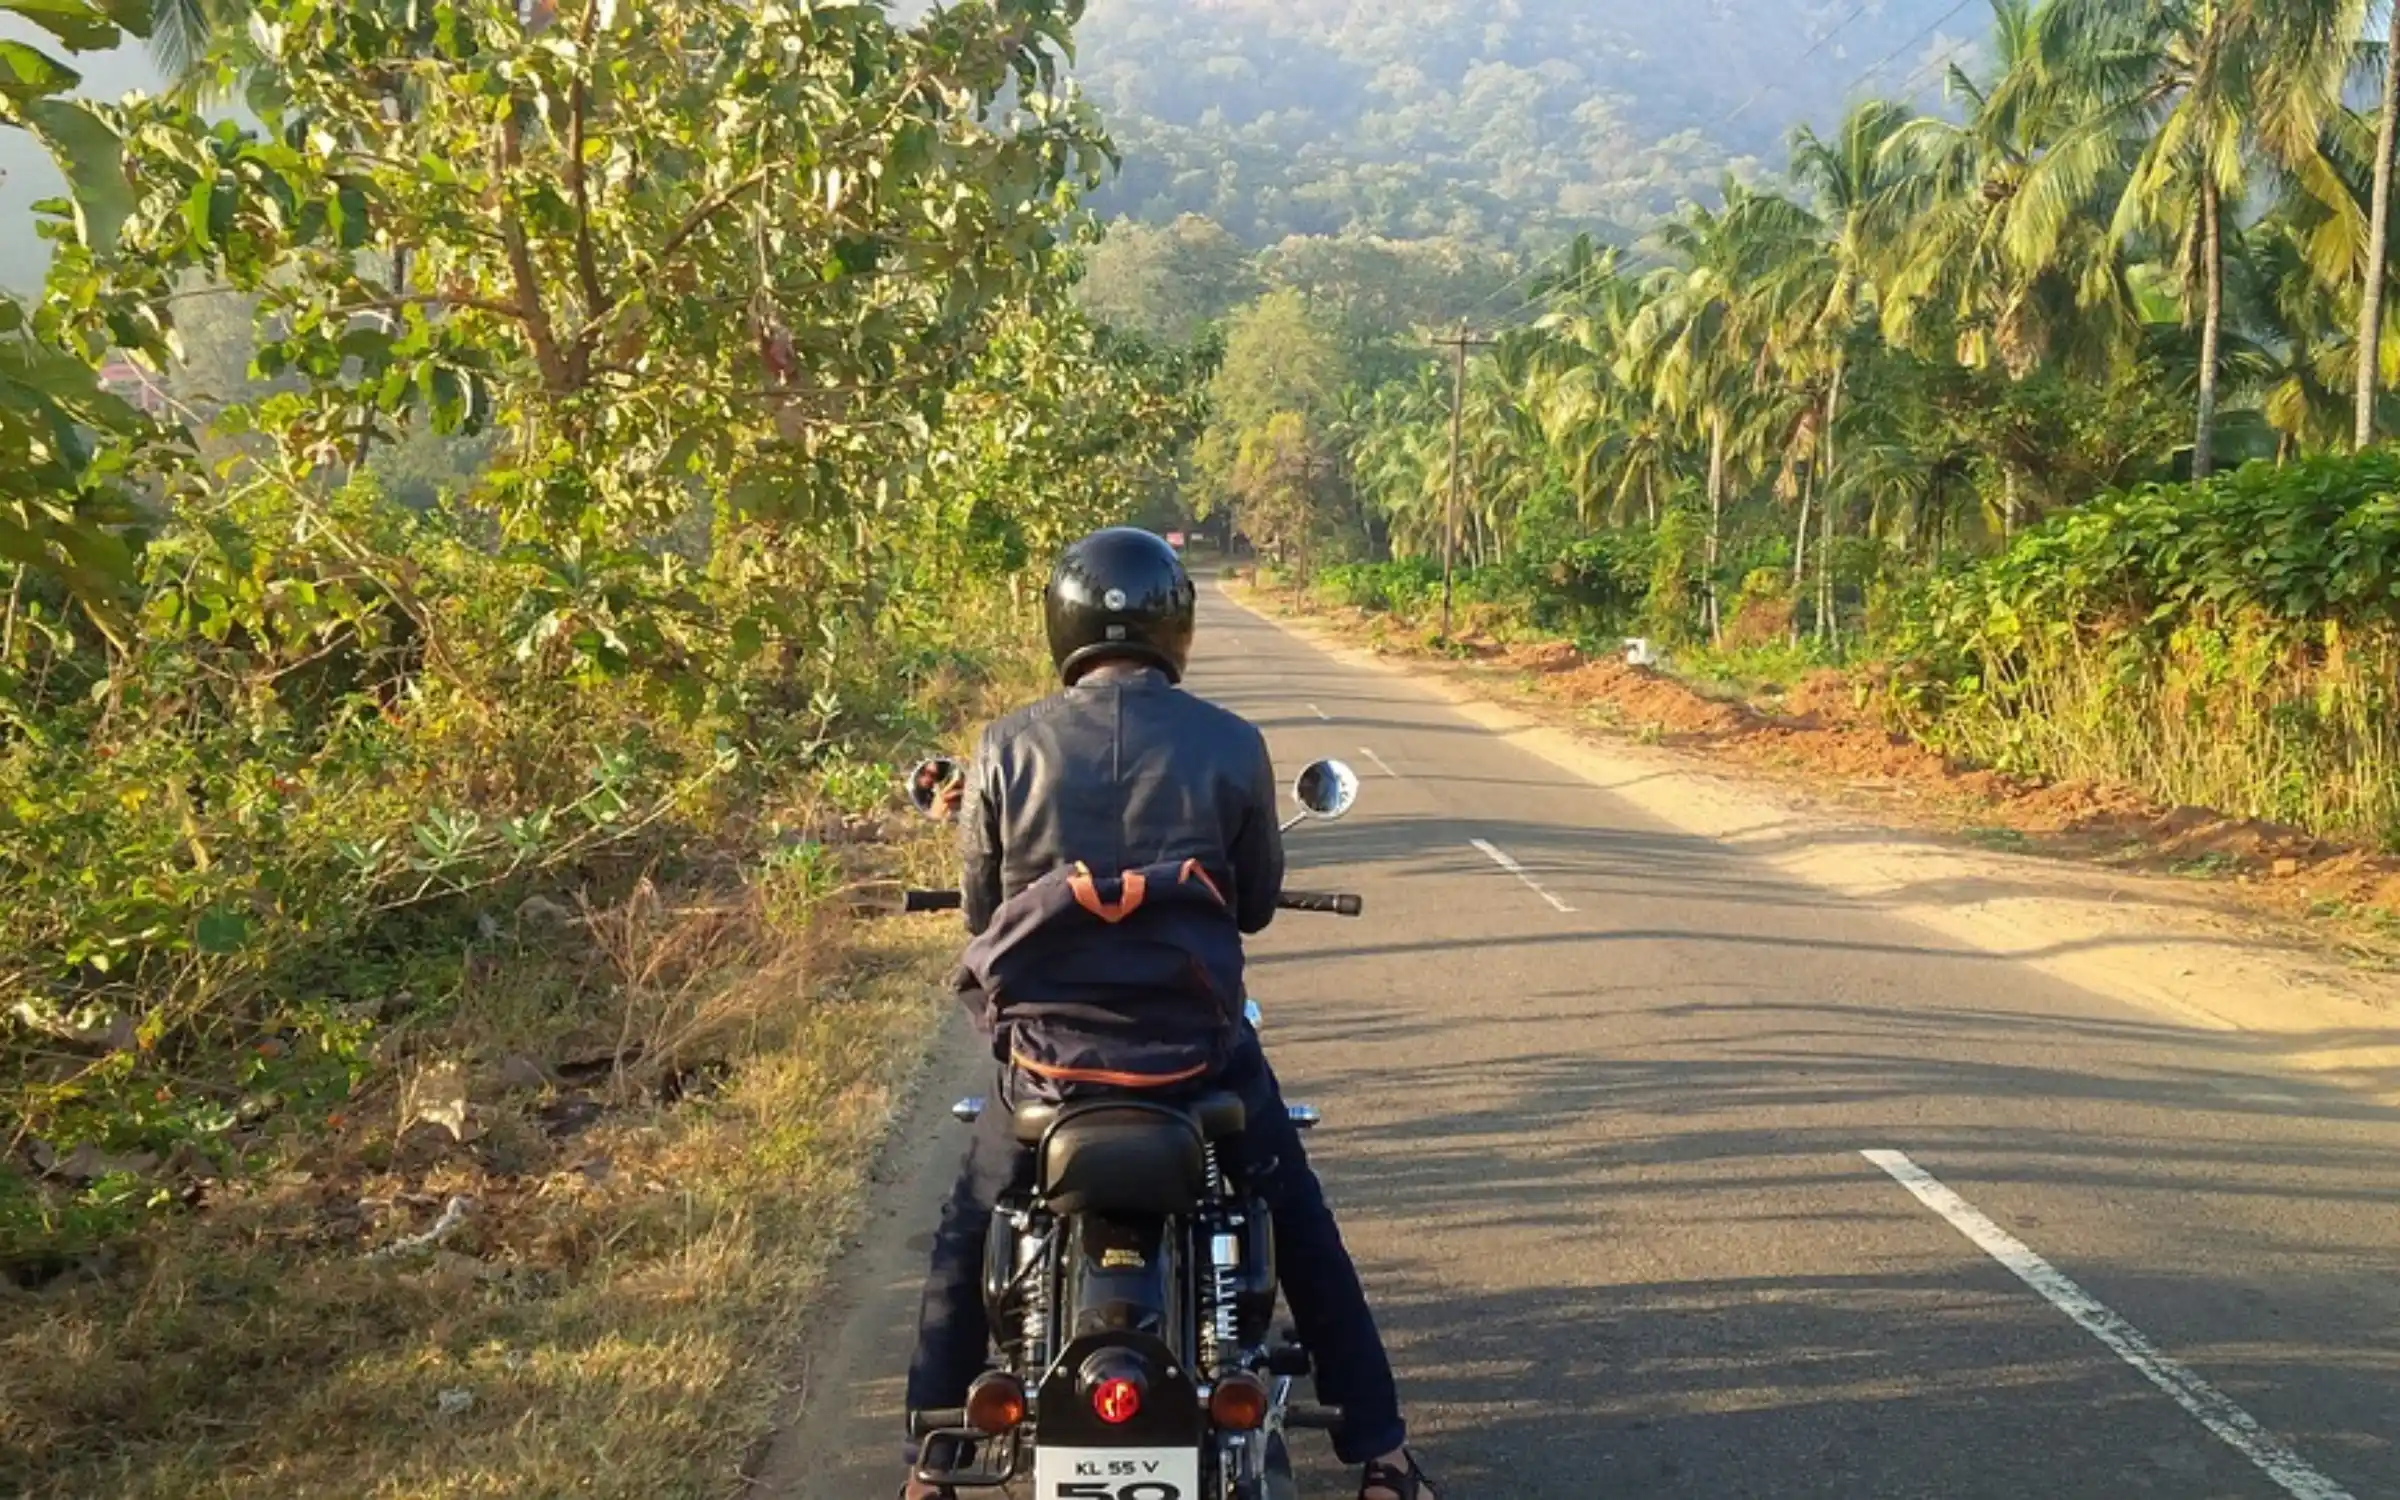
x,y
1410,1484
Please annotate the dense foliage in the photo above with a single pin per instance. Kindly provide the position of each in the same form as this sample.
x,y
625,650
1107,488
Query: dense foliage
x,y
1517,122
605,419
2234,644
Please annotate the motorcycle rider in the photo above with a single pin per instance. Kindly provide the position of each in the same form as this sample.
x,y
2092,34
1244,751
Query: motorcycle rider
x,y
1120,770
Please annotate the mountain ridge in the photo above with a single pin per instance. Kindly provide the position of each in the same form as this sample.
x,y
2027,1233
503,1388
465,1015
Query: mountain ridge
x,y
1501,120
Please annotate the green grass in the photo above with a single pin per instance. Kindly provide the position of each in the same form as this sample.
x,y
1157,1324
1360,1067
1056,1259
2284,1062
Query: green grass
x,y
671,1091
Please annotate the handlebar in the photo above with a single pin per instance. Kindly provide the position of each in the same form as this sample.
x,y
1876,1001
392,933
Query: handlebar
x,y
1332,903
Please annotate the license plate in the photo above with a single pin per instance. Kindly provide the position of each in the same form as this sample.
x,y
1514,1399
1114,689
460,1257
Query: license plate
x,y
1116,1474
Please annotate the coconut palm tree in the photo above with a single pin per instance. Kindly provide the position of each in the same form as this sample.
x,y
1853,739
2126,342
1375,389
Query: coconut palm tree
x,y
1616,445
2379,242
2204,91
1695,344
1998,241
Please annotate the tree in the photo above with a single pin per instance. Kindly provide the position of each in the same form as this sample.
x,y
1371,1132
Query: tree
x,y
1831,292
1275,402
1170,282
2379,243
2000,245
2202,88
1696,342
1620,451
68,496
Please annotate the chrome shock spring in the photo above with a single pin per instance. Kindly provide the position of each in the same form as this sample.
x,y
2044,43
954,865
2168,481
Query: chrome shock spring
x,y
1220,1329
1034,1323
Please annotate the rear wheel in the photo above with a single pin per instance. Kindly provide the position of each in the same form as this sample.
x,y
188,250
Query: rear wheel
x,y
1275,1483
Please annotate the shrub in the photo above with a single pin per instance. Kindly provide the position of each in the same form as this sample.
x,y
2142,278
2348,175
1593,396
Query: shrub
x,y
2234,644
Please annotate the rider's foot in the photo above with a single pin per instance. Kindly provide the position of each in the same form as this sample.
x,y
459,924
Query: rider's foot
x,y
919,1490
1395,1476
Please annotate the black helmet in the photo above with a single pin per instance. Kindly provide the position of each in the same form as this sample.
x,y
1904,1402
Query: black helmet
x,y
1120,593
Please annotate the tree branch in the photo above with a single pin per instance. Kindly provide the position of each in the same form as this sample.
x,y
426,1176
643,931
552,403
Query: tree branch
x,y
530,309
587,262
707,208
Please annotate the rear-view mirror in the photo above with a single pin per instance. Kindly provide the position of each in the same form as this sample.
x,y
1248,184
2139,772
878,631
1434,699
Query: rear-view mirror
x,y
925,784
1326,789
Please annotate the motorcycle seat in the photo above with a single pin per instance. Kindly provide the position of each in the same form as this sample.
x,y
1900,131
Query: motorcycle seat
x,y
1126,1156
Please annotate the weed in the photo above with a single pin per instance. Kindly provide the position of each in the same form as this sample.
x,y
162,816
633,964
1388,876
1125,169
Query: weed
x,y
1999,838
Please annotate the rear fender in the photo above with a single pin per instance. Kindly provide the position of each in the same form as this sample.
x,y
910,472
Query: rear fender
x,y
1125,1275
1124,1299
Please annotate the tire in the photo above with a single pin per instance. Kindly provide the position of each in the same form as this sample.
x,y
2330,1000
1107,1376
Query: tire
x,y
1278,1484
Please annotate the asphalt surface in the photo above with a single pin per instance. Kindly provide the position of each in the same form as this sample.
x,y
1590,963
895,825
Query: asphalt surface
x,y
1596,1124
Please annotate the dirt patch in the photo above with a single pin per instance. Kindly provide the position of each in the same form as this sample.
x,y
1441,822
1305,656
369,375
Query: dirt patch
x,y
1826,700
1545,658
1642,697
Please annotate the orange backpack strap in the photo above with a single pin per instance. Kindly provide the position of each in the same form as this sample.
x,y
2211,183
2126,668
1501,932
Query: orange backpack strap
x,y
1192,871
1104,1078
1129,899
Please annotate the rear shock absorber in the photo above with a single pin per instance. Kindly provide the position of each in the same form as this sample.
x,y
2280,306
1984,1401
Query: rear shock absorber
x,y
1220,1329
1034,1316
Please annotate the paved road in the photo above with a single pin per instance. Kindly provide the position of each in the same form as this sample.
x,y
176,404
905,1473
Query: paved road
x,y
1596,1129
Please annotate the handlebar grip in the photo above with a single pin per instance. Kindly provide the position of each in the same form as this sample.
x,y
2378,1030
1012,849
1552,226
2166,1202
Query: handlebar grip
x,y
931,901
1333,903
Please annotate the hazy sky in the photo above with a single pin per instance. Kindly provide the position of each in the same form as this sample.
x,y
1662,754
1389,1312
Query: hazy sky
x,y
26,175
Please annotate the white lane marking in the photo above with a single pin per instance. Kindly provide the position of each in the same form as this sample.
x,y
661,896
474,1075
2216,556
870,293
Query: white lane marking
x,y
1320,713
2211,1407
1380,761
1501,858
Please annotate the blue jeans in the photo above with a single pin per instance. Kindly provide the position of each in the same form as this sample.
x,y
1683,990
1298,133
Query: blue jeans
x,y
1329,1307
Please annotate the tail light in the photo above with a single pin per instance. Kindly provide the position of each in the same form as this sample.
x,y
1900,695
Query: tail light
x,y
996,1404
1116,1402
1239,1403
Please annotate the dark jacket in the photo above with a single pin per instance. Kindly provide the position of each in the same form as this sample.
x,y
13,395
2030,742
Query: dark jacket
x,y
1122,774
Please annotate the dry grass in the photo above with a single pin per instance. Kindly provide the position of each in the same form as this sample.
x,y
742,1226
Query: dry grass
x,y
613,1314
648,1124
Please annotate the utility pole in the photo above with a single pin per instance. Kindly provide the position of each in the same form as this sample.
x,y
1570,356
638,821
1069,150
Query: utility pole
x,y
1458,344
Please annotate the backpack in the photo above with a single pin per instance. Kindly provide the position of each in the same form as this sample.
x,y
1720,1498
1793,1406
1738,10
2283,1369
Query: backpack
x,y
1087,983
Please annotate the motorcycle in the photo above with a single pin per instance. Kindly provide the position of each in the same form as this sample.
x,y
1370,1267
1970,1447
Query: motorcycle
x,y
1132,1290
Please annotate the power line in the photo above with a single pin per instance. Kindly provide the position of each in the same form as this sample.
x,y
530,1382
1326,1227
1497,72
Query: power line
x,y
1923,36
1816,47
1925,74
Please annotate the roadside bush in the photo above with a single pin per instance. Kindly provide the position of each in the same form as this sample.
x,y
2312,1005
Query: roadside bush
x,y
1761,611
1400,588
2233,644
346,748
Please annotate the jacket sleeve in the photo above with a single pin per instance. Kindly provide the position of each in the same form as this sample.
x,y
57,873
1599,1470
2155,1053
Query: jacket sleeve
x,y
1258,848
979,837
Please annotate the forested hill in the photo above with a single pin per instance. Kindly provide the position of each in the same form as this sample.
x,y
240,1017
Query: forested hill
x,y
1488,118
